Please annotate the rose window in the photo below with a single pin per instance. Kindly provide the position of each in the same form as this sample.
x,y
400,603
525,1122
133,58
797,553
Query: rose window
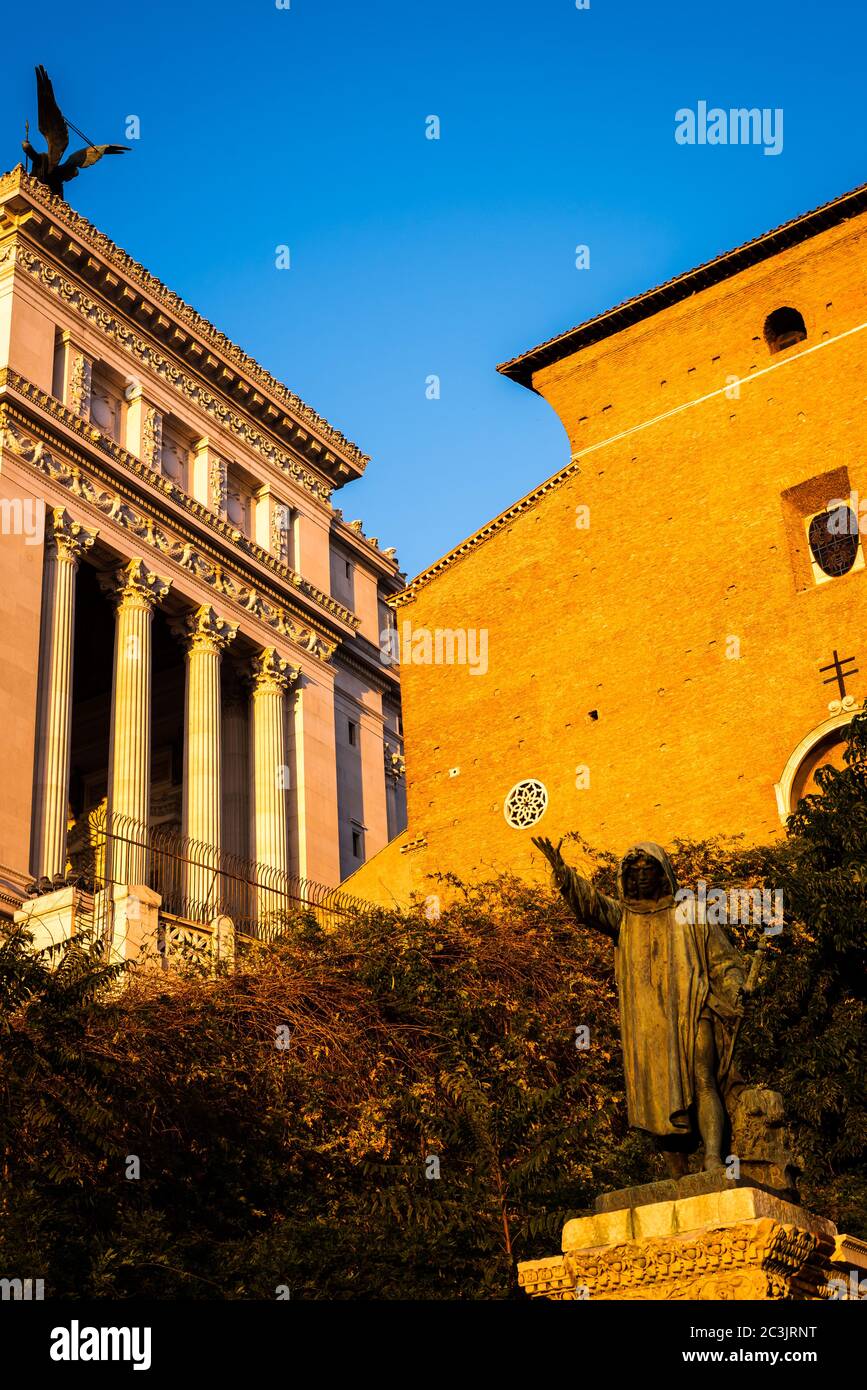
x,y
526,804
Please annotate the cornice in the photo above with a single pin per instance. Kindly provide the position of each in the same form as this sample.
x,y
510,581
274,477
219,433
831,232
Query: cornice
x,y
348,459
368,667
146,355
689,283
352,535
96,439
427,576
106,496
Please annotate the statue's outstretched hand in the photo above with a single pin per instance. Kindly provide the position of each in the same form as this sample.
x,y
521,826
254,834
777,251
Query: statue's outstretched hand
x,y
551,852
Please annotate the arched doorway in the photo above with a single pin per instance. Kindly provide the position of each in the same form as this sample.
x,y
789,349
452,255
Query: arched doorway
x,y
823,746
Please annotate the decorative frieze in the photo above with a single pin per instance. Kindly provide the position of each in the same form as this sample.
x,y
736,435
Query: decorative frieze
x,y
149,531
757,1260
150,357
695,1247
171,489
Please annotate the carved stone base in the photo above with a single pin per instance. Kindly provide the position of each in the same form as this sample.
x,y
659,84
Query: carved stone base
x,y
732,1245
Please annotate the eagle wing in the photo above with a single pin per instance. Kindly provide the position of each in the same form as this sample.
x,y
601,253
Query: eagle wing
x,y
51,121
82,159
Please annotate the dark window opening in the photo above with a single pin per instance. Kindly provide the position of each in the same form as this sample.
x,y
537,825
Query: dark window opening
x,y
784,328
356,844
834,540
353,732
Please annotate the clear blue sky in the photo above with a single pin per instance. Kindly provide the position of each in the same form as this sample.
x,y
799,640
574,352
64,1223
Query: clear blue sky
x,y
412,257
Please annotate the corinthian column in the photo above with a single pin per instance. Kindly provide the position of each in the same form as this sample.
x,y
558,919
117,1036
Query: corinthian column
x,y
65,542
271,677
206,636
136,591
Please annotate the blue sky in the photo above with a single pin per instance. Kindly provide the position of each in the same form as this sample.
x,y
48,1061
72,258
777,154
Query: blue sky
x,y
410,257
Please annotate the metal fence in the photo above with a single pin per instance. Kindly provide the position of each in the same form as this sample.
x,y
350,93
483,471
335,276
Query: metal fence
x,y
198,883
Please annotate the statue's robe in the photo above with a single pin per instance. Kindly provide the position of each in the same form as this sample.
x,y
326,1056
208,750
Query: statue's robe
x,y
671,972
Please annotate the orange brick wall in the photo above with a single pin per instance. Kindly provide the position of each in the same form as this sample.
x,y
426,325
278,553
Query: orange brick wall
x,y
690,543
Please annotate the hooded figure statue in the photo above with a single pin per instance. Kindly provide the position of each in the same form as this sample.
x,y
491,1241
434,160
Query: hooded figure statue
x,y
679,982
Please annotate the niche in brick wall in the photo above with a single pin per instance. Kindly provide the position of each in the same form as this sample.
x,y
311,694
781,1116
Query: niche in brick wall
x,y
821,530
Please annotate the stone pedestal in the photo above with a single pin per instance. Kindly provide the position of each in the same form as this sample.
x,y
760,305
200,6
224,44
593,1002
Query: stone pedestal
x,y
223,941
133,917
736,1243
54,917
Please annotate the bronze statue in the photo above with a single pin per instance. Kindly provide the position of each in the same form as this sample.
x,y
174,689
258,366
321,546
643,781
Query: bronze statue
x,y
47,167
681,985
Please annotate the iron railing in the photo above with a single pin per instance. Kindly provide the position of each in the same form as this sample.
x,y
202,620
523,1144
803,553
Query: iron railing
x,y
198,883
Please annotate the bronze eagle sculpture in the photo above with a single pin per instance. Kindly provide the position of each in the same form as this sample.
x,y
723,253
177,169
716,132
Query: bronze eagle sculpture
x,y
47,167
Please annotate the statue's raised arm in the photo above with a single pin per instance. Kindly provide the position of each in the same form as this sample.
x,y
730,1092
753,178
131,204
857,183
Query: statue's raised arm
x,y
590,907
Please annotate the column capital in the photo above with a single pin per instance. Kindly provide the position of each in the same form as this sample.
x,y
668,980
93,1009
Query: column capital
x,y
205,630
65,537
135,586
270,673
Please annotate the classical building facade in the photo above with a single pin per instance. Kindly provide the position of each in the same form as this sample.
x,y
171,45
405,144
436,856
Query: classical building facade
x,y
666,637
190,633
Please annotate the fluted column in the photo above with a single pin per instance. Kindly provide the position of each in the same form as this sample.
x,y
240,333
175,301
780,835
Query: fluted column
x,y
206,636
65,542
271,677
136,591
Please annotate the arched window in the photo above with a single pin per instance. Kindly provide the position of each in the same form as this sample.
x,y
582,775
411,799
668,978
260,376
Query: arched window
x,y
784,328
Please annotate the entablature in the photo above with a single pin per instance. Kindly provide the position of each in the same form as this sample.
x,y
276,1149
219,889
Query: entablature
x,y
158,513
70,240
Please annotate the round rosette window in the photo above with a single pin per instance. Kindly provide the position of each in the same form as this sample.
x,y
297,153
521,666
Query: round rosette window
x,y
526,804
